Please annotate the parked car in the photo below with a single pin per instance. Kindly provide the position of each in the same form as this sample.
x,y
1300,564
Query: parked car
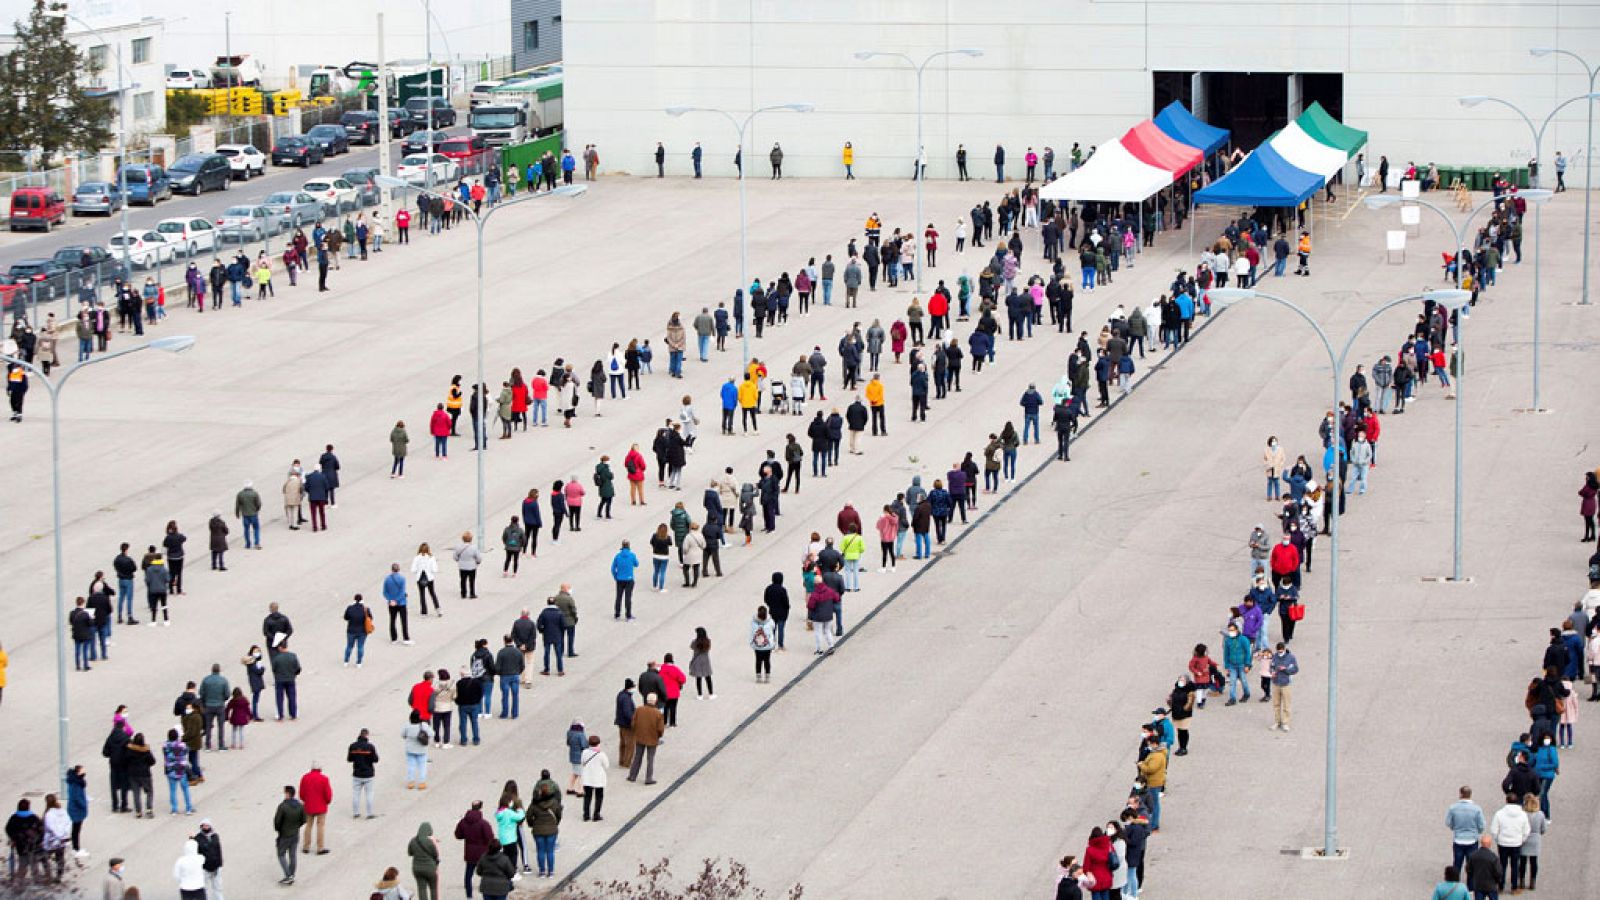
x,y
444,116
90,259
337,195
46,275
13,293
246,223
360,127
145,248
331,138
35,207
200,172
244,159
365,181
400,123
296,151
96,197
296,207
188,79
414,169
146,184
418,142
188,236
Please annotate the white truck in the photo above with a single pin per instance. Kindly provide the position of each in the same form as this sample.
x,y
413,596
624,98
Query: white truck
x,y
240,70
500,121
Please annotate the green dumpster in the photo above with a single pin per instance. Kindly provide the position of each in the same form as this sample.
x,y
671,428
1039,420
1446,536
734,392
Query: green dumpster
x,y
1519,176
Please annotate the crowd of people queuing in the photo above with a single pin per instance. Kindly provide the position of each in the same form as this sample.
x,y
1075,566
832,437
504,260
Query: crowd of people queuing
x,y
1104,238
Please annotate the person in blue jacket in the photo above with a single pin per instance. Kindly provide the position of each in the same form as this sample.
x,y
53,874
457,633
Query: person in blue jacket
x,y
1236,658
394,594
730,403
550,628
623,567
722,329
941,504
1547,765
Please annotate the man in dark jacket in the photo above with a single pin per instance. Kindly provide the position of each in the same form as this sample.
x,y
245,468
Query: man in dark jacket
x,y
285,669
125,568
209,845
1031,402
624,723
1521,780
525,635
363,759
476,835
276,623
81,621
652,684
508,665
856,418
551,629
1484,874
115,750
469,700
287,820
482,663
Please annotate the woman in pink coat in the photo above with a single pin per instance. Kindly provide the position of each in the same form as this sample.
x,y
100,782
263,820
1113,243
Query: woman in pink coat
x,y
574,492
897,338
439,427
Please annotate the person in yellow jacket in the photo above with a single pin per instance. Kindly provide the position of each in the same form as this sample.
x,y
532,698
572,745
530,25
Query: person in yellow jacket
x,y
1153,772
874,228
452,402
264,279
852,546
849,160
875,402
4,661
1304,267
750,403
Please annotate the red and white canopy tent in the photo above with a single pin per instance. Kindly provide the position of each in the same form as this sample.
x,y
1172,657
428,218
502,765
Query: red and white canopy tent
x,y
1128,170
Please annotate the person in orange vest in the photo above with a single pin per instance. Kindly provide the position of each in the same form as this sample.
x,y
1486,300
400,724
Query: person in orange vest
x,y
1304,267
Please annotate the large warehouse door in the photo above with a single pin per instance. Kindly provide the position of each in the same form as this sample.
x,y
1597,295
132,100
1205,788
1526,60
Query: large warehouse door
x,y
1252,105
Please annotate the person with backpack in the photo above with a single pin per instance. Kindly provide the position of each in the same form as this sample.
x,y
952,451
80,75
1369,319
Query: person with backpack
x,y
763,637
415,737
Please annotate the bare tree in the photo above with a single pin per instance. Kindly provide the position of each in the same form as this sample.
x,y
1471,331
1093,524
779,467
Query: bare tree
x,y
715,881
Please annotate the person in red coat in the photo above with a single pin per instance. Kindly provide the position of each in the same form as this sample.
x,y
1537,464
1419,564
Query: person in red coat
x,y
1285,561
897,338
315,793
1097,862
939,310
422,696
1370,423
635,466
519,400
439,427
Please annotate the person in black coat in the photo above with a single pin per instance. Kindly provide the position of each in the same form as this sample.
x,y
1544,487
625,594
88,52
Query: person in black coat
x,y
550,628
651,684
776,600
624,723
821,446
115,750
1484,873
855,417
835,436
329,463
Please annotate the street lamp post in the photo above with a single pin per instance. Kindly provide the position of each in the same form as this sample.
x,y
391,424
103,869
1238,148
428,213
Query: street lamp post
x,y
175,344
122,125
479,220
1588,157
1453,299
1378,201
1538,139
916,162
744,218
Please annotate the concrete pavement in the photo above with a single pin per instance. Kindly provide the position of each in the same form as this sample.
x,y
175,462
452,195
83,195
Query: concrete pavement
x,y
175,438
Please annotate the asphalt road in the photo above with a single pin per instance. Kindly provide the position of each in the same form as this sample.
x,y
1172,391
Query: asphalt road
x,y
99,230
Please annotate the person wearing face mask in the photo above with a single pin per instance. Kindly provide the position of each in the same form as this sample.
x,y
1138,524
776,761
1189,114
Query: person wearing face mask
x,y
1260,549
1272,458
1285,562
1236,657
1283,667
1181,704
1069,886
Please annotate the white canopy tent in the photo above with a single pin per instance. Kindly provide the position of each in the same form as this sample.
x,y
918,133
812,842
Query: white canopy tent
x,y
1112,175
1306,153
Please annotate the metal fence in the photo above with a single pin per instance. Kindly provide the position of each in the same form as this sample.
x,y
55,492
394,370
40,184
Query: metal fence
x,y
262,131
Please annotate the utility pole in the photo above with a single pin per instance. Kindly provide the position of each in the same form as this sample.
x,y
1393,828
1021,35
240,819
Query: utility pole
x,y
427,30
384,194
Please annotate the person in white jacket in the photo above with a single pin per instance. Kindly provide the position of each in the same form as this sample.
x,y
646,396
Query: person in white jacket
x,y
57,833
189,871
1510,828
595,764
425,571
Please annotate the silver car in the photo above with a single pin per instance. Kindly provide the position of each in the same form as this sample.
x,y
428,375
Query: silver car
x,y
248,223
99,197
296,207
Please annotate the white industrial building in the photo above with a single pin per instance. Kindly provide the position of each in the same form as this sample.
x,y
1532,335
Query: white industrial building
x,y
113,27
1055,72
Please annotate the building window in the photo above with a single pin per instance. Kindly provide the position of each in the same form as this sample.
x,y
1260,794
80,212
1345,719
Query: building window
x,y
530,35
144,105
97,57
555,22
141,51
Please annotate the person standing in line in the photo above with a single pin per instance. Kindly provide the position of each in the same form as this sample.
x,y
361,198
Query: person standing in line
x,y
476,835
315,794
1484,874
395,595
624,566
1510,829
999,164
363,759
624,723
415,737
469,700
209,845
285,669
550,628
398,439
648,727
496,871
188,871
424,852
700,664
467,560
287,820
1283,668
694,156
763,637
595,769
544,821
508,666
